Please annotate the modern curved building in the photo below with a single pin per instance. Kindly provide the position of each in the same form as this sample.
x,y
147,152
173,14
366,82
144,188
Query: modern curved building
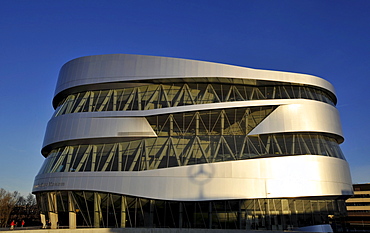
x,y
144,141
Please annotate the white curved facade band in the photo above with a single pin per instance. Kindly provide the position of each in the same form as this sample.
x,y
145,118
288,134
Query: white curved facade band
x,y
126,67
305,116
67,128
143,141
255,178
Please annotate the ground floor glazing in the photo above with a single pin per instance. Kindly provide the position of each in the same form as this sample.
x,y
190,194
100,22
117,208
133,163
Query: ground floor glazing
x,y
97,209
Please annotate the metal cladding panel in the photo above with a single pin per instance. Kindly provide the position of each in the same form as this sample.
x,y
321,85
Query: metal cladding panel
x,y
282,176
297,115
126,67
301,116
278,177
89,125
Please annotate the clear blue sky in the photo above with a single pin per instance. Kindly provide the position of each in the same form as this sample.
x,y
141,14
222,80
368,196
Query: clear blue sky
x,y
329,39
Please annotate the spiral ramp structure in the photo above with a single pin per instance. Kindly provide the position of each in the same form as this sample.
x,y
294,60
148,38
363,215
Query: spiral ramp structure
x,y
144,141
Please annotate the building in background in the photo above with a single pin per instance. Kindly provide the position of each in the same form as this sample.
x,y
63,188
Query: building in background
x,y
143,141
358,208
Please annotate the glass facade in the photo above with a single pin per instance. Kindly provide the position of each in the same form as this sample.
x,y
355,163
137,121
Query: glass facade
x,y
191,138
96,209
164,152
67,188
154,96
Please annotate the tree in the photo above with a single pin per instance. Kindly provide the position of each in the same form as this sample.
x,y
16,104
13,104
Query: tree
x,y
8,201
30,200
26,210
30,204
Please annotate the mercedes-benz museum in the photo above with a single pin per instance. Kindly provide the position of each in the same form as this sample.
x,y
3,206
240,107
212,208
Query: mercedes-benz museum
x,y
157,142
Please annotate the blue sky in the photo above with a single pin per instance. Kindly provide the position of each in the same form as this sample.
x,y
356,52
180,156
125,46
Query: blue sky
x,y
325,38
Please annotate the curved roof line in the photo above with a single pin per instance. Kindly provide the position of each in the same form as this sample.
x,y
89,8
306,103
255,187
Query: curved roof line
x,y
126,67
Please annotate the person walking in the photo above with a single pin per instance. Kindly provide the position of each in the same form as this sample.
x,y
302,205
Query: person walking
x,y
12,224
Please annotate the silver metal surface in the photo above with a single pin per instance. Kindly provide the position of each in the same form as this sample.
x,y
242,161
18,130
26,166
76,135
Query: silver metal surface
x,y
292,176
86,126
292,115
126,67
271,177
